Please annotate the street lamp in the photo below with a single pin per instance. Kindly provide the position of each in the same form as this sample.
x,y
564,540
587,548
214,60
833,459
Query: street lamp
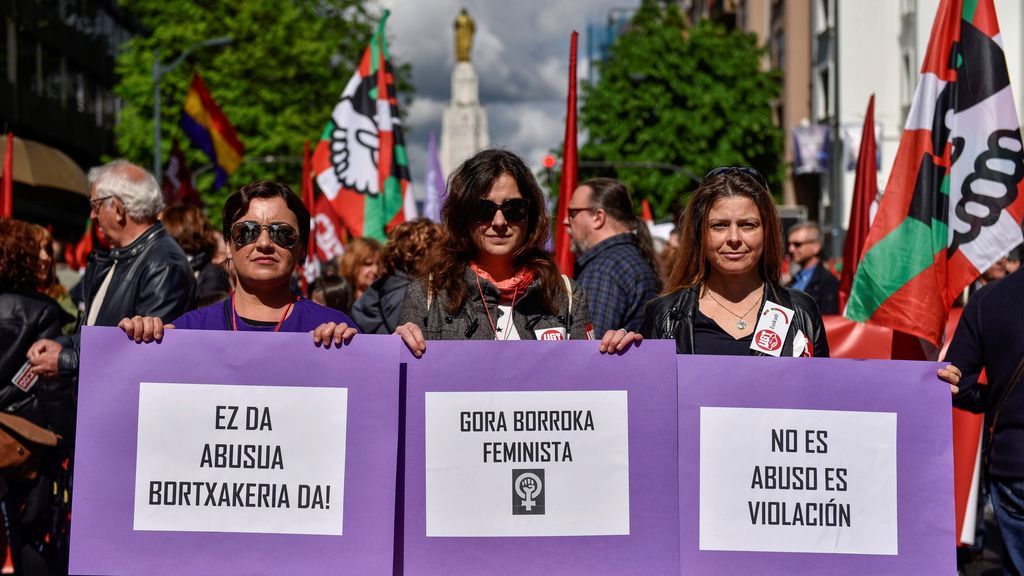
x,y
158,72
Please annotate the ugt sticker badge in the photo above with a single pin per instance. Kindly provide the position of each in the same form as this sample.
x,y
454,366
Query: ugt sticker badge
x,y
772,328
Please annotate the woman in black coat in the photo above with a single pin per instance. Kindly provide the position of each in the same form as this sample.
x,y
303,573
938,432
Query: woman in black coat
x,y
726,277
36,504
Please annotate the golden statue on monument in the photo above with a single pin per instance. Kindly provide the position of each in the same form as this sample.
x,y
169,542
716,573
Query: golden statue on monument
x,y
464,29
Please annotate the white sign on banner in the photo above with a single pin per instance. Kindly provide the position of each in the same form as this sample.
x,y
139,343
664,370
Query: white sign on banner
x,y
780,480
225,458
527,463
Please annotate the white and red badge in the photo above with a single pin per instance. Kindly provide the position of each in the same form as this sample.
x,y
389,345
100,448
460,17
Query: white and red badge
x,y
772,328
556,333
25,379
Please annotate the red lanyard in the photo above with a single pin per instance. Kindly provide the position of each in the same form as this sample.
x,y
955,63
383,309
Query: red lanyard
x,y
511,310
234,314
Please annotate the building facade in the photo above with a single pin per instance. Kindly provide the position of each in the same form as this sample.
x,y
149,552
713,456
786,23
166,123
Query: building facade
x,y
57,80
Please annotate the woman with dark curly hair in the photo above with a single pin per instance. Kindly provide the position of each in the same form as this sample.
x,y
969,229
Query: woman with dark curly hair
x,y
490,276
376,311
26,316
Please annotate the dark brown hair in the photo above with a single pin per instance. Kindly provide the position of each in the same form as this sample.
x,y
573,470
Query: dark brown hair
x,y
691,266
189,227
408,245
238,204
337,291
613,197
467,185
19,256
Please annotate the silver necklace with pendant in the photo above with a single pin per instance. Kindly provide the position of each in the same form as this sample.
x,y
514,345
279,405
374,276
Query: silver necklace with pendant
x,y
741,324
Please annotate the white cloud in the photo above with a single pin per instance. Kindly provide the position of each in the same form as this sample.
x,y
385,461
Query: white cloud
x,y
521,53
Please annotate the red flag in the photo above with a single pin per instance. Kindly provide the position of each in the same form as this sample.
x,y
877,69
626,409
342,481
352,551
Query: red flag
x,y
361,161
645,206
865,189
77,255
329,230
570,172
327,234
7,190
177,180
955,196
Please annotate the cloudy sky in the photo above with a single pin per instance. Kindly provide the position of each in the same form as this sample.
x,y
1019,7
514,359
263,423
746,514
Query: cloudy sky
x,y
521,54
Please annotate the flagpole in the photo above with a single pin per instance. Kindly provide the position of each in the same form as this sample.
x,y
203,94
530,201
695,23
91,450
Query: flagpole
x,y
836,220
159,70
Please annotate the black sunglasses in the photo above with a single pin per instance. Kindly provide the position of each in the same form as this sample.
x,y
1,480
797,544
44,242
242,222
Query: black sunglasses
x,y
247,232
514,210
799,244
741,169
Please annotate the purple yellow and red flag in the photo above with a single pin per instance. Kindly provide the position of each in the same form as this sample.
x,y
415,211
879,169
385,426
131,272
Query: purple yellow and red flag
x,y
210,130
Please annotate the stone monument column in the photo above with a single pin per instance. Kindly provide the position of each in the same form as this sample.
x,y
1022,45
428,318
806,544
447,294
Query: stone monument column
x,y
464,125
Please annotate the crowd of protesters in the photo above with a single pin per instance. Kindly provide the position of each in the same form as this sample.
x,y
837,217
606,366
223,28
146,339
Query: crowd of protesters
x,y
482,273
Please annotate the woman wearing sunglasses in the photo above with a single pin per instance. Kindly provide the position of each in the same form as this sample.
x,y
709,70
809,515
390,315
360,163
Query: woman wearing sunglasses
x,y
267,229
490,277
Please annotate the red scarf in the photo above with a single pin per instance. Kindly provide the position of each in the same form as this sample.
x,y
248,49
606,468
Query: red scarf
x,y
517,284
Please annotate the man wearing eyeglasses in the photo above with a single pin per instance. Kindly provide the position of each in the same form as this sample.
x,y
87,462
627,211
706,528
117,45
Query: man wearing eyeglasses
x,y
804,247
614,254
145,273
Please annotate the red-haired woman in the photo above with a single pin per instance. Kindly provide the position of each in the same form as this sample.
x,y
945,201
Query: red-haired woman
x,y
360,264
33,495
490,277
404,258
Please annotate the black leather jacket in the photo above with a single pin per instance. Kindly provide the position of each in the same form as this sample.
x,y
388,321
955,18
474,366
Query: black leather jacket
x,y
152,278
671,316
24,318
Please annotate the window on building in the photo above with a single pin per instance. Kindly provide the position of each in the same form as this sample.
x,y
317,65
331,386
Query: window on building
x,y
822,90
84,98
52,76
778,50
26,65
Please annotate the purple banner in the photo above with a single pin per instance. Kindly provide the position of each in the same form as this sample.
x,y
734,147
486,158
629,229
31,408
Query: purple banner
x,y
241,453
814,466
540,458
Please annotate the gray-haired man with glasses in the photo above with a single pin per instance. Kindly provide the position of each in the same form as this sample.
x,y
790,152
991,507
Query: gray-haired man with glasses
x,y
145,273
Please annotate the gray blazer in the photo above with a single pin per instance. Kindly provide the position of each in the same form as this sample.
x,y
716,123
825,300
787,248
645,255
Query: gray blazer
x,y
471,322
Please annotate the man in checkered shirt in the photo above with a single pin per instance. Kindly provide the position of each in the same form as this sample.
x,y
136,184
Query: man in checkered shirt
x,y
614,254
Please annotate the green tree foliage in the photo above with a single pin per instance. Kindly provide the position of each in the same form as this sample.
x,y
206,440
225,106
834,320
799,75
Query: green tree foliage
x,y
277,81
693,98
